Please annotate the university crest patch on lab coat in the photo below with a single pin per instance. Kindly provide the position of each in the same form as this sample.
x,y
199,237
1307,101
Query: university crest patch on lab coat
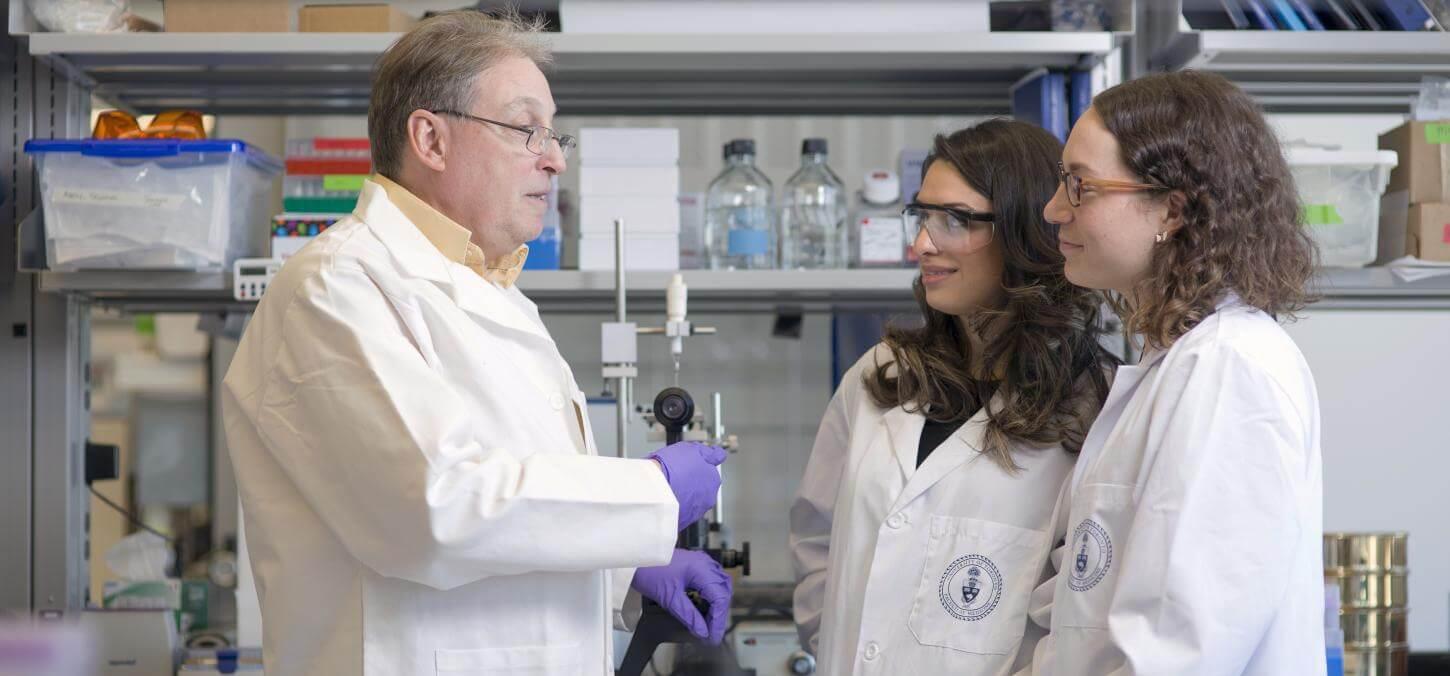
x,y
971,587
1092,556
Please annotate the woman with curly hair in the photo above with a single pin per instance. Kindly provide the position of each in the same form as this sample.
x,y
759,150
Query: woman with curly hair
x,y
1194,511
925,518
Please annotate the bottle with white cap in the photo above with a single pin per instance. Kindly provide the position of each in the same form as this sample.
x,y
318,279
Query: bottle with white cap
x,y
878,236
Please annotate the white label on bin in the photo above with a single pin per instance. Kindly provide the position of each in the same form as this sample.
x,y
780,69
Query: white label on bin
x,y
119,199
882,239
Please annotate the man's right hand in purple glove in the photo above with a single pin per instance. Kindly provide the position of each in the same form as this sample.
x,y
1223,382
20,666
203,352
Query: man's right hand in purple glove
x,y
687,571
690,469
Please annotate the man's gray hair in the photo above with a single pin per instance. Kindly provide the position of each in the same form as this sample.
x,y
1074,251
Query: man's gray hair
x,y
436,66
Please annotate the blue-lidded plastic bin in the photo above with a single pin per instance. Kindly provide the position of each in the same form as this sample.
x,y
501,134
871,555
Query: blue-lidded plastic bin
x,y
152,203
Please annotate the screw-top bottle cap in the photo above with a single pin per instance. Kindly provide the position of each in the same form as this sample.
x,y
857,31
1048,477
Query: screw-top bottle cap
x,y
813,146
881,187
744,146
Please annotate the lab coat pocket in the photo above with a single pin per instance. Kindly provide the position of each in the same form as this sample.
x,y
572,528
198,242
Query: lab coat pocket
x,y
520,661
975,585
1101,515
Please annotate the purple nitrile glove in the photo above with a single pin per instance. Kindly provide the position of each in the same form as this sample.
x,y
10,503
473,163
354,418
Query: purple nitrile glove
x,y
690,570
689,468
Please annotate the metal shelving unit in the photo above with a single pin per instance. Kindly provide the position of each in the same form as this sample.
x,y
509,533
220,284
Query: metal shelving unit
x,y
49,80
553,291
1308,71
710,290
957,73
292,73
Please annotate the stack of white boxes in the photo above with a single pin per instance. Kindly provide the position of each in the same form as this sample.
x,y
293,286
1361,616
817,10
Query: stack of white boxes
x,y
632,174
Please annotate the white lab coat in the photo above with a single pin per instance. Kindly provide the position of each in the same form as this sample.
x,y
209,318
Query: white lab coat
x,y
884,550
1194,516
420,483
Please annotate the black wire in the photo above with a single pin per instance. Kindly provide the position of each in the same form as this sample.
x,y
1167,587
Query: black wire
x,y
131,517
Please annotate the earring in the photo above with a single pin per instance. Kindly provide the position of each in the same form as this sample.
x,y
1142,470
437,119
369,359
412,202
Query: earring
x,y
1160,237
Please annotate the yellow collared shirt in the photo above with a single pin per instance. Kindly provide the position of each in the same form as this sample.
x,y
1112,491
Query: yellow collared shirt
x,y
452,239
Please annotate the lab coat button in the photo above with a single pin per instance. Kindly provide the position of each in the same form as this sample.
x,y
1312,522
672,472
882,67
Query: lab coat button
x,y
556,400
895,521
872,650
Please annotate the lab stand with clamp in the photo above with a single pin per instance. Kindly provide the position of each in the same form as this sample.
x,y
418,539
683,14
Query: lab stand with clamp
x,y
675,413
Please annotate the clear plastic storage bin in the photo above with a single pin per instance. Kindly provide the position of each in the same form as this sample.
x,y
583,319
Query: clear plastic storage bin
x,y
157,204
1340,192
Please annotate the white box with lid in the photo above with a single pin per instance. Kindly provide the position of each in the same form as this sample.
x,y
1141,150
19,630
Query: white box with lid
x,y
621,181
629,146
641,252
1340,193
771,16
642,215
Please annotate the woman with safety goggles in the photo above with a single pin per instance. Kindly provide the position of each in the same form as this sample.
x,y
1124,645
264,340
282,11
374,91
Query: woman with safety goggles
x,y
925,517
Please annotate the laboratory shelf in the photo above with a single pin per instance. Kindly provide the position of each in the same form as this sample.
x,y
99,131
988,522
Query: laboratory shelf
x,y
955,73
726,291
1314,71
552,290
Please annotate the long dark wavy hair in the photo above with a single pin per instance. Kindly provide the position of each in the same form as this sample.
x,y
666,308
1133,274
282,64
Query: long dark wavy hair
x,y
1041,347
1242,230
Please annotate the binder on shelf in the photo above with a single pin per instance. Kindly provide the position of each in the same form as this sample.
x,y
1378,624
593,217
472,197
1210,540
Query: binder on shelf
x,y
1041,98
1080,95
1307,14
1285,12
1366,15
1342,15
1407,15
1260,15
1236,14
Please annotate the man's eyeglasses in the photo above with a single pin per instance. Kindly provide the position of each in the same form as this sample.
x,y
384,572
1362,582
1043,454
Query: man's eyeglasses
x,y
1074,183
538,136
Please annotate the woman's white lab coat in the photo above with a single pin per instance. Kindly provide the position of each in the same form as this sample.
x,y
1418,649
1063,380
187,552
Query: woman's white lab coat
x,y
1194,515
420,484
906,570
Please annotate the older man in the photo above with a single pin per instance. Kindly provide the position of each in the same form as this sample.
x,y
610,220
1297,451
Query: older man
x,y
421,488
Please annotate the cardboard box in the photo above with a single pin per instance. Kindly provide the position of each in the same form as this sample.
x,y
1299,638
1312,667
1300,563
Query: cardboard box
x,y
1429,235
151,595
1394,215
1424,168
381,18
227,16
188,598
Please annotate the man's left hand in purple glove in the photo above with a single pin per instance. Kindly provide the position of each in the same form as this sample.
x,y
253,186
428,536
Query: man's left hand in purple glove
x,y
690,570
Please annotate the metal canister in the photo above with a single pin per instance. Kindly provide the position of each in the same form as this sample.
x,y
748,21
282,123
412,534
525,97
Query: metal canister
x,y
1378,628
1367,552
1377,662
1362,590
1370,571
